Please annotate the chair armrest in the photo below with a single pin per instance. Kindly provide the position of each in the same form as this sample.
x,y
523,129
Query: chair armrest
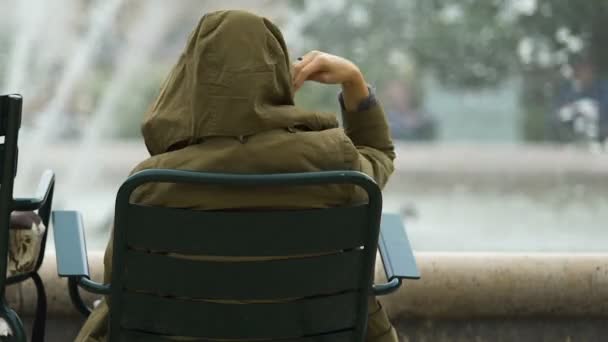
x,y
72,260
44,191
396,253
70,244
71,250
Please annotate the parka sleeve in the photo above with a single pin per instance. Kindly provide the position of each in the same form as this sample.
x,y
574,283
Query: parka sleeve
x,y
369,132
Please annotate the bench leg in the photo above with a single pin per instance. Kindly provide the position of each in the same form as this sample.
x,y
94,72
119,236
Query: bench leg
x,y
13,322
39,326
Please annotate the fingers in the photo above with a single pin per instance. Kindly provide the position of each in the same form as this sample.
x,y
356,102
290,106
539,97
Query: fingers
x,y
297,69
321,67
310,55
310,69
302,69
301,63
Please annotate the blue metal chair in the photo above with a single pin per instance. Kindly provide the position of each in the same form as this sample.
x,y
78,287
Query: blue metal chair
x,y
315,287
10,122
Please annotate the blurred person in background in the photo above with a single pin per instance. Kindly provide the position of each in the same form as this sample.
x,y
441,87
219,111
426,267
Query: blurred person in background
x,y
407,119
581,110
228,106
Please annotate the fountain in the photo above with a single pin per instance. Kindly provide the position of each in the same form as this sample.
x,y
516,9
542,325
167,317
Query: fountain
x,y
31,11
97,162
101,18
141,41
457,198
50,72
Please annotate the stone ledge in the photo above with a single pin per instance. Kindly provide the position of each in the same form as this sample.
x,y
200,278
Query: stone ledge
x,y
454,286
492,285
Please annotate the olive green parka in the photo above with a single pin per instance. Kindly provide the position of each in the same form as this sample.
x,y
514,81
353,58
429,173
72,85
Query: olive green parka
x,y
228,106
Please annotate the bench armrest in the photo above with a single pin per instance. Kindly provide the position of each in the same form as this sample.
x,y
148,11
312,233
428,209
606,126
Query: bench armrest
x,y
396,253
43,194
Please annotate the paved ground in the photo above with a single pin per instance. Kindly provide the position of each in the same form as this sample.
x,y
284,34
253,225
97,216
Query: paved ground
x,y
505,330
486,330
58,330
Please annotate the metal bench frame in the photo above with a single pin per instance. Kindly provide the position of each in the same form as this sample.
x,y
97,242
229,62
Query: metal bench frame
x,y
10,122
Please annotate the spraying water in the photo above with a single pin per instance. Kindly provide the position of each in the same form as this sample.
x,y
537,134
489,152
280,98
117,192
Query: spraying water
x,y
30,13
101,18
143,39
50,58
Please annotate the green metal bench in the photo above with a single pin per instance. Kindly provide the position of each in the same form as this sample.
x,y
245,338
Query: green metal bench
x,y
316,291
10,122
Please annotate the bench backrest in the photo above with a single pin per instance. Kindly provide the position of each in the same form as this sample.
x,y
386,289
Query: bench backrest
x,y
10,121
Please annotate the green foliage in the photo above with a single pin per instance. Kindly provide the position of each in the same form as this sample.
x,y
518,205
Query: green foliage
x,y
470,50
586,19
466,44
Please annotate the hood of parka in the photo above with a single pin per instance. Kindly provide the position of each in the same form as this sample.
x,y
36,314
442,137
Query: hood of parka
x,y
232,80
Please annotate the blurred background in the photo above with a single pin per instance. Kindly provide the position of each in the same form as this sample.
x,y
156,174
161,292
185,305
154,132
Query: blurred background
x,y
499,107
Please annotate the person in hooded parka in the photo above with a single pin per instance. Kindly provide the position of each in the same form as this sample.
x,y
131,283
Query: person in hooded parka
x,y
228,106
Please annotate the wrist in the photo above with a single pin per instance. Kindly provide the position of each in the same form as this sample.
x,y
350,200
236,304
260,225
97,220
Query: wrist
x,y
354,79
354,91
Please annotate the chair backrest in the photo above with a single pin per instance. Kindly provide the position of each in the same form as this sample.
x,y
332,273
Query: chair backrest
x,y
10,122
297,275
